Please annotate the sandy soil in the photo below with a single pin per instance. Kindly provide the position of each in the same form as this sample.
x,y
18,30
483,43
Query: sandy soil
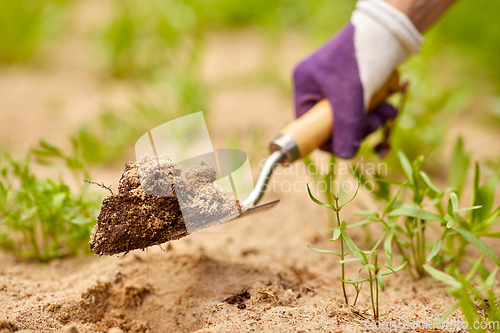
x,y
277,284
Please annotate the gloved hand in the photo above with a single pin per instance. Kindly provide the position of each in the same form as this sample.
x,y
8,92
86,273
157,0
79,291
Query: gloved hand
x,y
350,68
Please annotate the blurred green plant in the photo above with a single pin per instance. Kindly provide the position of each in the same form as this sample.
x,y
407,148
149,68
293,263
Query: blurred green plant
x,y
457,227
114,132
322,17
143,37
470,31
26,24
42,218
474,294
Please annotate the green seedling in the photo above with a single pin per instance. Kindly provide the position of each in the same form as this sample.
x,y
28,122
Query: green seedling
x,y
42,218
337,233
375,271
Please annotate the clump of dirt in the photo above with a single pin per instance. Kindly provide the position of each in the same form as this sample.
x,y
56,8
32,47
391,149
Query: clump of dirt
x,y
157,203
133,219
239,299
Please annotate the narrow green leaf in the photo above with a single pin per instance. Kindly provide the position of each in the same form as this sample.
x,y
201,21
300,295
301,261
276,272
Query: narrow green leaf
x,y
394,182
367,267
354,281
468,308
50,149
358,224
485,197
449,208
367,213
343,225
443,277
381,281
489,220
354,248
405,163
416,212
451,223
466,209
322,251
432,202
474,268
405,243
478,244
336,234
490,281
316,200
493,234
388,247
354,196
435,249
345,261
475,184
393,200
375,247
454,201
429,182
394,270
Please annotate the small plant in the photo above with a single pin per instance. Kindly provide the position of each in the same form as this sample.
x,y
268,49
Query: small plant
x,y
42,219
457,226
337,233
374,269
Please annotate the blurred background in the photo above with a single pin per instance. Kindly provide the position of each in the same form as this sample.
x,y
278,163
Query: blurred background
x,y
81,81
101,72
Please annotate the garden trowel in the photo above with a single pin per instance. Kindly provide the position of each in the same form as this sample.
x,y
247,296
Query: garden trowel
x,y
306,133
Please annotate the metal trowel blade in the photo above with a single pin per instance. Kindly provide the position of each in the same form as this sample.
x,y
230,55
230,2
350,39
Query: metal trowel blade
x,y
252,210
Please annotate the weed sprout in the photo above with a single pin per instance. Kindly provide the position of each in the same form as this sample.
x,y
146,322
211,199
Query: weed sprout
x,y
368,259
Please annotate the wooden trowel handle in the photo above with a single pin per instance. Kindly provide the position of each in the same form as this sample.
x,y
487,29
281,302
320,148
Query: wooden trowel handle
x,y
314,128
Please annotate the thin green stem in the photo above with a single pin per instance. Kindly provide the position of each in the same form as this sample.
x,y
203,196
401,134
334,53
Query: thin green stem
x,y
414,253
376,299
337,212
358,290
403,254
422,239
418,262
371,294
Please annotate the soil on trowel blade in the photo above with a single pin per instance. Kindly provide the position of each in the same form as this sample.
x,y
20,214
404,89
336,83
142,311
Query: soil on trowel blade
x,y
147,209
